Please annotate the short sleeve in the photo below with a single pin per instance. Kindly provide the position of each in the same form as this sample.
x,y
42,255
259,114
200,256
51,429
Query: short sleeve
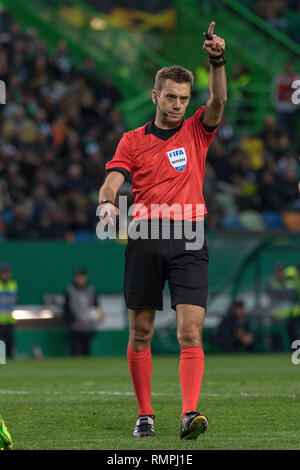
x,y
123,155
204,135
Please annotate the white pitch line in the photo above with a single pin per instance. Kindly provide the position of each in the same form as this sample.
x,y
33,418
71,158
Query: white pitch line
x,y
126,393
158,394
204,394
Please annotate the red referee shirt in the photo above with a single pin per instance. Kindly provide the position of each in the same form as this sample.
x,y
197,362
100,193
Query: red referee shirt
x,y
166,172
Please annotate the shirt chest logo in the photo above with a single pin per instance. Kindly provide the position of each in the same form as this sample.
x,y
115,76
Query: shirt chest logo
x,y
178,158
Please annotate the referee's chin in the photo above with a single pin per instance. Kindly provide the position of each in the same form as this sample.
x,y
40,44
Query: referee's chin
x,y
174,120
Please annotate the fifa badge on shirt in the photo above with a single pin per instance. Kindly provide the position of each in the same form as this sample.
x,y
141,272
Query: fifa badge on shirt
x,y
178,158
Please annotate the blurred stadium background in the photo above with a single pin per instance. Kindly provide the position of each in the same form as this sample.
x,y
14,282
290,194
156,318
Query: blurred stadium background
x,y
78,74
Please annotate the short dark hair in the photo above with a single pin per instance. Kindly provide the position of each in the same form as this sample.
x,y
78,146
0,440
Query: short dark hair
x,y
175,72
80,270
5,267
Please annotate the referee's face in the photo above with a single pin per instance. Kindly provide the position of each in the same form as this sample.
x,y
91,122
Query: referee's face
x,y
172,101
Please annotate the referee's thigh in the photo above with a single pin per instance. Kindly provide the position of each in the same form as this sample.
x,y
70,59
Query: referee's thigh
x,y
144,276
188,275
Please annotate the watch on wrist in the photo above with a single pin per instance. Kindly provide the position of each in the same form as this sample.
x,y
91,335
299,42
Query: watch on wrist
x,y
106,201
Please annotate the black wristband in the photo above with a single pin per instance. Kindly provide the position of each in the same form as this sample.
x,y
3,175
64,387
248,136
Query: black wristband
x,y
217,56
218,64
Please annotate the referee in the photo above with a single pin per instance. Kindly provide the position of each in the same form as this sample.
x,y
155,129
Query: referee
x,y
166,158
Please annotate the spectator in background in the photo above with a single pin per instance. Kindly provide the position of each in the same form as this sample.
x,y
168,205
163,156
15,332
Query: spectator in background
x,y
233,334
75,179
5,204
241,78
54,226
273,13
226,132
57,116
60,126
39,203
20,227
8,299
292,274
282,99
82,313
288,187
270,199
276,141
283,294
202,82
293,18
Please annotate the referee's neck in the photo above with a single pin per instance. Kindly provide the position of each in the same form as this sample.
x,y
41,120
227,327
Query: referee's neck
x,y
166,125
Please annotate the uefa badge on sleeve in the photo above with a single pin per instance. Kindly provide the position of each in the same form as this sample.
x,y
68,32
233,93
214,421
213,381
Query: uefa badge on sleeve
x,y
178,158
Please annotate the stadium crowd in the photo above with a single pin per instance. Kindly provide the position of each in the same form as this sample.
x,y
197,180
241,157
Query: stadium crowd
x,y
252,183
60,125
283,15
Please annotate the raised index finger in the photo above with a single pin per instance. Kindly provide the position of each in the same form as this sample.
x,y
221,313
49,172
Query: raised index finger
x,y
211,28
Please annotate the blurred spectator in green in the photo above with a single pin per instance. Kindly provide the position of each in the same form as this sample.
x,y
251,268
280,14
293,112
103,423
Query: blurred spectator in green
x,y
8,300
283,292
240,92
202,82
292,274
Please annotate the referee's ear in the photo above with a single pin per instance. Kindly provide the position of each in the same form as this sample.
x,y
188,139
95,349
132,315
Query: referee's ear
x,y
154,96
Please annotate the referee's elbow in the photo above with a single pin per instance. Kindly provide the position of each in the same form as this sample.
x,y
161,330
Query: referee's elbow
x,y
216,102
220,100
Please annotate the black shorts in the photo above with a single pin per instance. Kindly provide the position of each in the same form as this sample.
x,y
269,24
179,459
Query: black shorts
x,y
149,263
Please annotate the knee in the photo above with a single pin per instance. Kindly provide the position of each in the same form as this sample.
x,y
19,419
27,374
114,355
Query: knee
x,y
190,336
140,337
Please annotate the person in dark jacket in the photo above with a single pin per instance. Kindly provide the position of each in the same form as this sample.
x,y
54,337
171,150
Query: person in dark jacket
x,y
233,333
82,313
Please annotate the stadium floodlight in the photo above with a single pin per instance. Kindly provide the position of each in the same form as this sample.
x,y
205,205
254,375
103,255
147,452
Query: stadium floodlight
x,y
29,315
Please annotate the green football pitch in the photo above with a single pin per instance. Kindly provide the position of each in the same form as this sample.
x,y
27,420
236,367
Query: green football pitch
x,y
252,402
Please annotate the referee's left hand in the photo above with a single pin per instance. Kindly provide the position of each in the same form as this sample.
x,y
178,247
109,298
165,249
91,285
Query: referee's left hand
x,y
216,45
107,211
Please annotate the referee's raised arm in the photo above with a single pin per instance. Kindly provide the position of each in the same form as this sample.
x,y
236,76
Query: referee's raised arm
x,y
214,46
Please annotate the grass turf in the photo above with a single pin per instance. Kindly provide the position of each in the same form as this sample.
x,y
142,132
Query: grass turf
x,y
252,402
